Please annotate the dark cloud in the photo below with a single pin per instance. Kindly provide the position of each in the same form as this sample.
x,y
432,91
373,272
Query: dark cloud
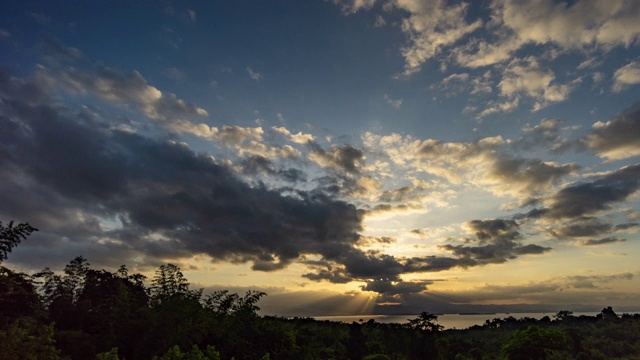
x,y
603,241
582,228
590,282
405,193
626,226
592,197
437,263
394,287
292,175
385,208
257,164
618,138
117,197
534,175
335,276
499,239
343,157
546,134
164,200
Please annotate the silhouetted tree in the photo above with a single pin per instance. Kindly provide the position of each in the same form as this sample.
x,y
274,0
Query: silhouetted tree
x,y
10,237
607,314
425,322
563,315
18,297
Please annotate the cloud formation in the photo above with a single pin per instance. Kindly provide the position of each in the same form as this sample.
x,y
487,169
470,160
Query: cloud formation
x,y
618,138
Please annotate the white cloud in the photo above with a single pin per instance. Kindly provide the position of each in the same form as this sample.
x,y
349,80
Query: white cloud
x,y
128,88
526,77
589,24
456,84
500,106
626,76
192,16
254,74
431,26
174,73
299,138
353,6
397,103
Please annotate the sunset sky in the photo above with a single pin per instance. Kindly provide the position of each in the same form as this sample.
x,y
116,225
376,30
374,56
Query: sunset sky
x,y
346,156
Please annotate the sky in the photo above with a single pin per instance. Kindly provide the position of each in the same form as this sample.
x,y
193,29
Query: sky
x,y
345,157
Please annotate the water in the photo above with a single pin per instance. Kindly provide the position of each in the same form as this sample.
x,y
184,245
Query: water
x,y
449,321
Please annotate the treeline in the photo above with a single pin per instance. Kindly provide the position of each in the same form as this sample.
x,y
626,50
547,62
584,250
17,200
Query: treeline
x,y
84,313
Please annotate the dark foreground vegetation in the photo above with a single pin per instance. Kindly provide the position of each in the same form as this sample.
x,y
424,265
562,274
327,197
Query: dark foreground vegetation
x,y
84,313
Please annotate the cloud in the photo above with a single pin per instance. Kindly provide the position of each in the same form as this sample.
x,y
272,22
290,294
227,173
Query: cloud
x,y
431,27
256,164
174,73
353,6
548,133
618,138
345,158
589,282
499,242
396,287
484,163
254,74
588,198
525,178
127,88
499,106
525,77
626,76
192,16
455,84
299,138
163,200
584,25
247,141
603,241
394,103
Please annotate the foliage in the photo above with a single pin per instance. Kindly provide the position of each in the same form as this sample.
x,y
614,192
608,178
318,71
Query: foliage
x,y
108,355
193,354
425,322
26,338
10,237
534,343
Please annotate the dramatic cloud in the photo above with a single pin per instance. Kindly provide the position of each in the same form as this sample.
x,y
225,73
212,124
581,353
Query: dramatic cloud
x,y
168,200
499,242
592,197
618,138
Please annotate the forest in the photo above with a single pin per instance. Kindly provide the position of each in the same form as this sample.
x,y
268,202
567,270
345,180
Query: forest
x,y
85,313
